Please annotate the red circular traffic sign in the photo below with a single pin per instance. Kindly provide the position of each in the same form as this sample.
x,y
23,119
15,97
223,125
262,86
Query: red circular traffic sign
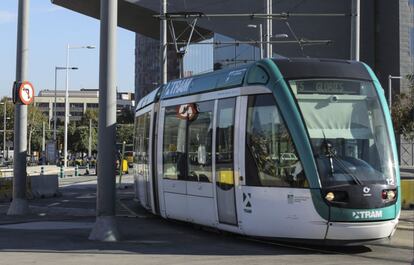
x,y
26,93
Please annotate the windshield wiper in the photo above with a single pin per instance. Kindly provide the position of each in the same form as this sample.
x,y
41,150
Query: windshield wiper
x,y
331,155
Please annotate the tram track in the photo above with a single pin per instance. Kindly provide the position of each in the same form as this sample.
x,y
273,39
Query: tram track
x,y
324,251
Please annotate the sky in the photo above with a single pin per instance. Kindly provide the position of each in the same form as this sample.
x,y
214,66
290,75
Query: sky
x,y
51,28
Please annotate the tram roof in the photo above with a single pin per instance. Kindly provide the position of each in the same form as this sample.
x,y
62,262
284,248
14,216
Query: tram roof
x,y
291,68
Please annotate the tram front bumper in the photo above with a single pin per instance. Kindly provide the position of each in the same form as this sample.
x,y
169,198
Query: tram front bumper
x,y
361,230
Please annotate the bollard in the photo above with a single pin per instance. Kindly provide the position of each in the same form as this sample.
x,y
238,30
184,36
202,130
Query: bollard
x,y
76,170
42,170
61,174
87,169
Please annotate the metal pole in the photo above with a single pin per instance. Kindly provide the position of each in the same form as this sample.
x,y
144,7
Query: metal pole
x,y
268,28
90,139
389,92
43,137
65,154
4,128
355,30
261,40
19,205
164,46
105,228
54,108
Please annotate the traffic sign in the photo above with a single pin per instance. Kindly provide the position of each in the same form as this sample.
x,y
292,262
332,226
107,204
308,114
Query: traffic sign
x,y
26,93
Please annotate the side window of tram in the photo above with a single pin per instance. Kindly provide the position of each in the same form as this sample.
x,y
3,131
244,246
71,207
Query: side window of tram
x,y
271,159
142,142
224,142
200,130
174,145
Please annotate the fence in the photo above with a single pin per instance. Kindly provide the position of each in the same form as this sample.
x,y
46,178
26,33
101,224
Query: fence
x,y
406,153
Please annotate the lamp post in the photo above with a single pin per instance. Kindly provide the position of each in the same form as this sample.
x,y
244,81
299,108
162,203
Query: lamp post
x,y
260,37
65,158
54,104
390,78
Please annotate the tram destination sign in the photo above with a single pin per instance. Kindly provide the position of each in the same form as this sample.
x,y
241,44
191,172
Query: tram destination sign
x,y
336,87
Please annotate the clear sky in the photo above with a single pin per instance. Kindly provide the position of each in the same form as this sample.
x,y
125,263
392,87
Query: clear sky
x,y
51,28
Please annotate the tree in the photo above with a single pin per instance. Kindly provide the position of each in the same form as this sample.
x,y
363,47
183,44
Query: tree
x,y
403,112
9,121
125,133
125,116
35,119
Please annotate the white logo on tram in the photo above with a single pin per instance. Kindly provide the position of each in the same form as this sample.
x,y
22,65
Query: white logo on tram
x,y
178,87
366,214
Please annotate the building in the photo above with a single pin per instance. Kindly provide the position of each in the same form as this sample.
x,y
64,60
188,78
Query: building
x,y
386,40
79,102
386,30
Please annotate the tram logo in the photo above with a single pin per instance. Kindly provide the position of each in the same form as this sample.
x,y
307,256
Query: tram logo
x,y
178,87
366,189
366,214
246,202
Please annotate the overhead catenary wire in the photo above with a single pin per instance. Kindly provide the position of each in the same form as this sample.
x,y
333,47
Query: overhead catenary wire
x,y
282,15
301,41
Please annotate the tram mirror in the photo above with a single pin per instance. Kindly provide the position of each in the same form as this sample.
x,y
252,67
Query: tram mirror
x,y
201,154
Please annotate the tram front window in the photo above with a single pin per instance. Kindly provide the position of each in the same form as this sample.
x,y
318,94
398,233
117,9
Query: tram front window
x,y
347,130
271,158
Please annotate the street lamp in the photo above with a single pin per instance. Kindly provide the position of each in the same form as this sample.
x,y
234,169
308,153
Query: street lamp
x,y
65,159
390,78
260,37
54,104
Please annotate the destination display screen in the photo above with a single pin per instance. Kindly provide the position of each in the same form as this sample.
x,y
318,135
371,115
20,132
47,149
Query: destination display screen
x,y
336,87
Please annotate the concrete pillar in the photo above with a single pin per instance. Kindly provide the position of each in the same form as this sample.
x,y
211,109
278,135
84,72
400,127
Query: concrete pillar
x,y
19,205
105,228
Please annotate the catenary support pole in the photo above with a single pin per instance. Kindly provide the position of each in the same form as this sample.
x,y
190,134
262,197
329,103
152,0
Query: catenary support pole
x,y
43,137
4,129
90,140
54,108
355,29
105,228
163,44
269,31
19,205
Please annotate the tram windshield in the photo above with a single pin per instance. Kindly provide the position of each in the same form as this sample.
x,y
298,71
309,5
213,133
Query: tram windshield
x,y
347,130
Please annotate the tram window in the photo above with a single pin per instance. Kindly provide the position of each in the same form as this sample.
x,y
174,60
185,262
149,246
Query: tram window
x,y
200,130
142,143
271,159
224,141
174,145
257,76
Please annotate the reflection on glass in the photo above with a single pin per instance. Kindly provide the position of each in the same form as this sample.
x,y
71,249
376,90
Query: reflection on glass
x,y
224,142
200,130
174,149
271,158
141,144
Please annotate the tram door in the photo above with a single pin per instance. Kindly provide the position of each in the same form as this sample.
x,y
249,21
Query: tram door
x,y
225,188
144,159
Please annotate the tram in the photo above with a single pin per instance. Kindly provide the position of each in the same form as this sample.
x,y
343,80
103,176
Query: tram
x,y
295,149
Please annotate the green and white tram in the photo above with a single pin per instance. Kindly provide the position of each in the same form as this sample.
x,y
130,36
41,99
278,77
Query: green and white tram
x,y
281,148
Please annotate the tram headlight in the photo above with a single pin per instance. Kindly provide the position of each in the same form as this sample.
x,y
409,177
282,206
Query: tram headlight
x,y
388,194
330,196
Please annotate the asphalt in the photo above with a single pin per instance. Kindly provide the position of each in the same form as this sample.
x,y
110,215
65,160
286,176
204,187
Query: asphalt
x,y
57,229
